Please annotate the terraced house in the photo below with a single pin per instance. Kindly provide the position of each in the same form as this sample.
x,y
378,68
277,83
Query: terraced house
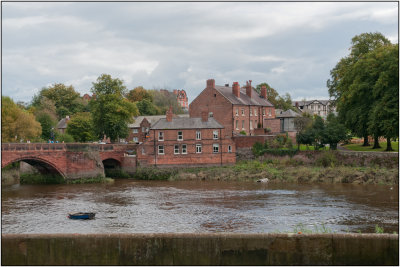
x,y
237,109
177,141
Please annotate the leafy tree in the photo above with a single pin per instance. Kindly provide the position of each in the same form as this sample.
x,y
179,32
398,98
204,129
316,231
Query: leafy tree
x,y
351,86
47,123
110,110
66,138
303,122
146,107
281,102
317,129
334,132
17,124
80,127
139,94
164,99
305,137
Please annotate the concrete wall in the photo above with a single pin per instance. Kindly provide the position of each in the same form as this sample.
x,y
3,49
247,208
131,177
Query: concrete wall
x,y
200,249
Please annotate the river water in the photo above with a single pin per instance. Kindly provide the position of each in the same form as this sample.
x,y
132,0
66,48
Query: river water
x,y
129,206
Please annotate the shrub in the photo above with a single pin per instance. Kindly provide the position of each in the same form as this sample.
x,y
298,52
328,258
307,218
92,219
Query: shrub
x,y
243,132
328,159
281,152
154,173
258,149
66,138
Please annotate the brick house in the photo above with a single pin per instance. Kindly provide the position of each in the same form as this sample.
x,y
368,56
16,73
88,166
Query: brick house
x,y
62,125
182,99
177,141
237,109
139,129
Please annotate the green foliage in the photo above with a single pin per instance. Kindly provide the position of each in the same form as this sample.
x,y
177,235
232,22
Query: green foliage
x,y
80,127
66,138
163,100
334,132
92,180
154,173
281,152
116,173
37,178
281,102
258,149
328,159
146,107
243,132
110,111
47,124
378,230
16,123
139,94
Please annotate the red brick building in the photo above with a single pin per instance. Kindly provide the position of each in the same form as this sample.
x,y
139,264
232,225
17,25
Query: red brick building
x,y
176,141
182,99
237,109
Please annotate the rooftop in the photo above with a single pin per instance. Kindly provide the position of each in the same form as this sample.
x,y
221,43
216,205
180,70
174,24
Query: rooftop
x,y
255,99
186,123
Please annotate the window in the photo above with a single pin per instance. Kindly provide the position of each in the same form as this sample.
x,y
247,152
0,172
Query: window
x,y
215,148
215,95
198,148
215,134
184,149
135,139
147,129
161,150
143,129
255,112
143,151
251,112
251,125
180,136
242,124
229,149
135,130
255,124
176,149
237,125
242,111
198,135
269,112
210,114
237,112
160,136
263,112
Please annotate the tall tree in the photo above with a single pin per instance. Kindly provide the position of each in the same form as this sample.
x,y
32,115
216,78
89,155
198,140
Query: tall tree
x,y
17,124
111,112
80,127
139,94
334,132
146,107
351,88
164,99
281,102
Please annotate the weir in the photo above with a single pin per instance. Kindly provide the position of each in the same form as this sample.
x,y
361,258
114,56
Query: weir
x,y
200,249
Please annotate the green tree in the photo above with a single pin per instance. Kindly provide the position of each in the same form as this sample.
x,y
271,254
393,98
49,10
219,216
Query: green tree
x,y
281,102
139,94
333,132
350,86
80,127
317,129
146,107
16,123
47,124
163,100
111,112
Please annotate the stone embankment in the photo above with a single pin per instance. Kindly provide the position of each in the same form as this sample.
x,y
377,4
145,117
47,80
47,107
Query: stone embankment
x,y
200,249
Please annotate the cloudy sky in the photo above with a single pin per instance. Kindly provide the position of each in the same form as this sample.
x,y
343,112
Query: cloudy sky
x,y
290,45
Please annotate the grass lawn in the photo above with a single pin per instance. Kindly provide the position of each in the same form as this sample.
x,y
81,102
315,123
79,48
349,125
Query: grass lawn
x,y
359,147
304,147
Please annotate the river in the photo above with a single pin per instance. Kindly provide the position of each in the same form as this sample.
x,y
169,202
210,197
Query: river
x,y
130,206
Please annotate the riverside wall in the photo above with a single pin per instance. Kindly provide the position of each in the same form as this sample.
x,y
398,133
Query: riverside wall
x,y
200,249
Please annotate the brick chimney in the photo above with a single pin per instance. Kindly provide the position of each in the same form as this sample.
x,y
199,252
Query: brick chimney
x,y
297,104
204,116
169,114
248,88
263,93
236,89
175,92
211,83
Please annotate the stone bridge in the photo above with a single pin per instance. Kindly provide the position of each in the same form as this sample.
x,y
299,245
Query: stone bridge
x,y
71,160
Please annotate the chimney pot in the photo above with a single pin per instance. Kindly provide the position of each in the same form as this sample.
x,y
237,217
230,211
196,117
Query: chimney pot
x,y
248,88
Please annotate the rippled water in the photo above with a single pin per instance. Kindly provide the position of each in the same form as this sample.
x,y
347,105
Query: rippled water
x,y
129,206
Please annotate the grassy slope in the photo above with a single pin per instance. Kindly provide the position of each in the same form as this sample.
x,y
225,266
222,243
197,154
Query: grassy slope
x,y
359,147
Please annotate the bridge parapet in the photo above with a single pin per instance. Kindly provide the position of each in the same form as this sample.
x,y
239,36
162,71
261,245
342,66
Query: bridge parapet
x,y
66,147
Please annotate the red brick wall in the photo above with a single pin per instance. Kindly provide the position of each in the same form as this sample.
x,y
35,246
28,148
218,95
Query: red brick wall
x,y
273,124
249,141
206,157
210,100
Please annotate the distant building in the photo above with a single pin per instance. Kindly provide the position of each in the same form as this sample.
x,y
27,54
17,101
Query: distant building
x,y
176,141
86,97
318,107
287,120
62,125
182,99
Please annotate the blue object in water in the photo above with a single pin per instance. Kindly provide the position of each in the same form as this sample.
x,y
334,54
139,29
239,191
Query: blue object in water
x,y
82,215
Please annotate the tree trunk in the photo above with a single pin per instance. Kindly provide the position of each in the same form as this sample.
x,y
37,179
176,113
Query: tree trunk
x,y
366,143
389,145
376,142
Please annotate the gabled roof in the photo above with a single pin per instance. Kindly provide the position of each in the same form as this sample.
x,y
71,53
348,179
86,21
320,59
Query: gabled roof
x,y
152,119
308,102
255,99
62,124
286,114
186,123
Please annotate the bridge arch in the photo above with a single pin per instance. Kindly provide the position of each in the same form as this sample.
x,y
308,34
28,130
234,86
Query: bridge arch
x,y
42,165
112,166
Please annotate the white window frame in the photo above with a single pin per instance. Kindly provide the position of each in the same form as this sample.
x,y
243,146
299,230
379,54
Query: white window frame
x,y
161,148
135,130
242,124
210,114
229,149
237,124
215,148
180,135
255,112
198,148
160,136
184,149
176,149
269,112
263,112
251,112
215,134
143,151
243,112
237,112
198,135
251,125
143,129
135,139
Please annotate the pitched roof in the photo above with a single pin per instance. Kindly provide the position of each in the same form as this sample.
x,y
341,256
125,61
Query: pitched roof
x,y
186,123
286,114
62,124
151,119
308,102
255,99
